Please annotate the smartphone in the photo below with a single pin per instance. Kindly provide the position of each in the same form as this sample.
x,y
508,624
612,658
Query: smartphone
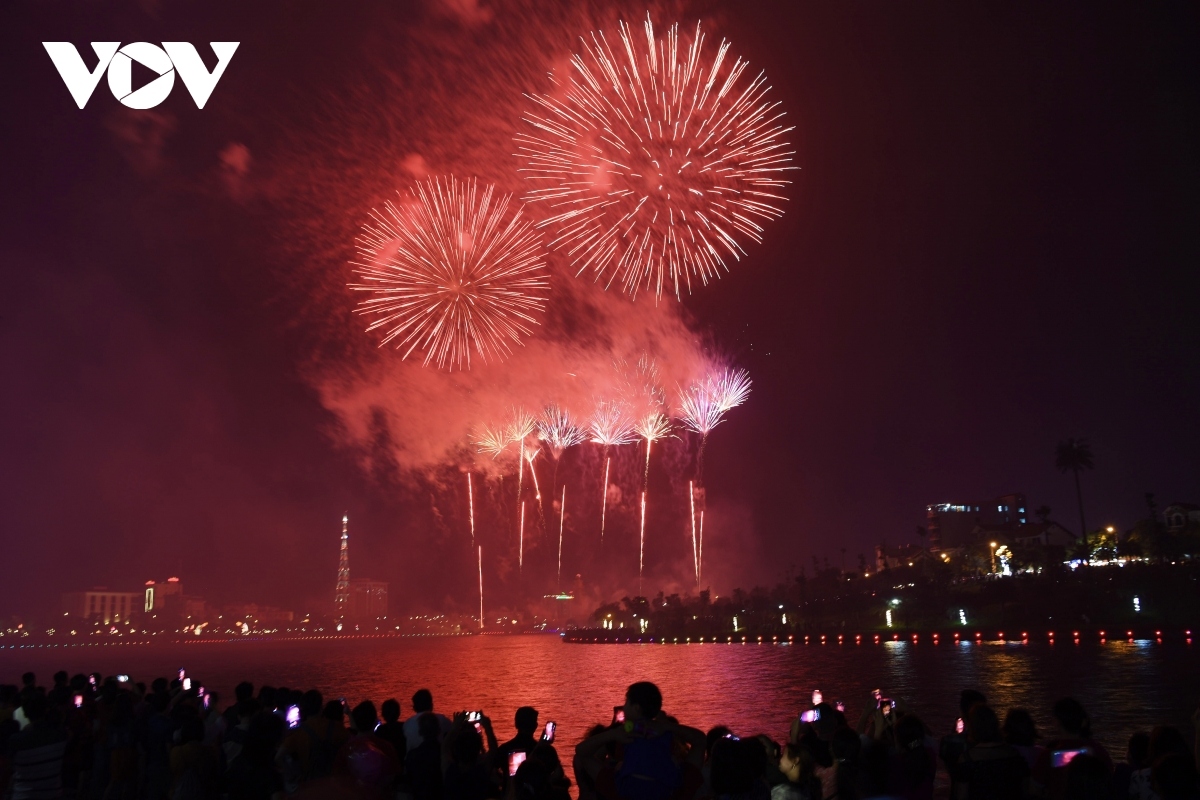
x,y
293,716
515,759
876,694
92,680
812,715
205,698
817,697
959,727
123,679
474,716
618,715
733,737
187,684
1060,758
548,733
840,706
79,701
182,673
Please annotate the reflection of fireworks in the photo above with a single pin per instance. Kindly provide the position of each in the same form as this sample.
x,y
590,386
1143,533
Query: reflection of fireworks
x,y
480,551
654,161
449,272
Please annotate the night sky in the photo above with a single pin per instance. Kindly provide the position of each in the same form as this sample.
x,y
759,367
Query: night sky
x,y
991,245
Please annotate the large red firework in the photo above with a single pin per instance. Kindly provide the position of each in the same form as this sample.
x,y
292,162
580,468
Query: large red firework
x,y
450,272
656,163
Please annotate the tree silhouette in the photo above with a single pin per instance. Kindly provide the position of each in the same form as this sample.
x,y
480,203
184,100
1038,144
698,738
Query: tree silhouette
x,y
1075,455
1043,513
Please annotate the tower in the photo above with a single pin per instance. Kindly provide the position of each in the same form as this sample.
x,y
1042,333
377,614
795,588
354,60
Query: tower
x,y
341,596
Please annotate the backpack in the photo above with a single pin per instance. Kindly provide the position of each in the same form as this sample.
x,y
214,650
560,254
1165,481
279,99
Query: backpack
x,y
648,772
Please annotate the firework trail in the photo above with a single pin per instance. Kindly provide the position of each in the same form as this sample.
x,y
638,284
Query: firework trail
x,y
521,541
651,428
558,431
704,405
655,163
520,425
695,555
610,426
537,490
471,506
480,588
703,408
562,515
642,543
449,271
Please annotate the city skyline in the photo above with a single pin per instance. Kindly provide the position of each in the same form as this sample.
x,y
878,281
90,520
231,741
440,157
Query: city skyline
x,y
988,247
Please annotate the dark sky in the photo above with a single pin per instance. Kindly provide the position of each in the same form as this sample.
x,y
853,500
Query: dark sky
x,y
991,245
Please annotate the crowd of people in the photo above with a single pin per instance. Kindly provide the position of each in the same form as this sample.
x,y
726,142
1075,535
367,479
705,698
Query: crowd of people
x,y
97,738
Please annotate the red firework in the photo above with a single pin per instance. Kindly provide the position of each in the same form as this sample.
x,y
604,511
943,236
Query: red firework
x,y
655,162
450,271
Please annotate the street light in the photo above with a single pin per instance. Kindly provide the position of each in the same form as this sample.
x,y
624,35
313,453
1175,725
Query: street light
x,y
993,558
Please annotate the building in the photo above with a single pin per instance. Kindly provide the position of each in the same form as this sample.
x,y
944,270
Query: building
x,y
341,592
368,599
163,597
1179,515
953,524
102,605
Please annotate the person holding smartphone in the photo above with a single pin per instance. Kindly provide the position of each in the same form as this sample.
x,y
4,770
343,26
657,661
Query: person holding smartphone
x,y
467,765
526,722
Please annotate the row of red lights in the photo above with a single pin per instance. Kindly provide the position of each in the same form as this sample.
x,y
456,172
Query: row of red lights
x,y
857,638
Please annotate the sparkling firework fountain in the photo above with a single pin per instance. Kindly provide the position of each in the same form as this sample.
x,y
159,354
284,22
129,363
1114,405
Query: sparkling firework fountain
x,y
449,271
610,427
655,162
702,408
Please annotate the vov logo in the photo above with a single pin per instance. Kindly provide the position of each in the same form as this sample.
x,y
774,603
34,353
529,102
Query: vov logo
x,y
118,61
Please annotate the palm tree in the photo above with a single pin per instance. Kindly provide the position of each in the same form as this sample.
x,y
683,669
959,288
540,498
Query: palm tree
x,y
1075,455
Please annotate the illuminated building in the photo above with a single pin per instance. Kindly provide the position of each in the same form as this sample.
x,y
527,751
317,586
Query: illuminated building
x,y
163,597
102,605
953,524
367,599
341,593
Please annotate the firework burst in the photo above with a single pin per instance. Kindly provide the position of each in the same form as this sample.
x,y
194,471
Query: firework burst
x,y
703,407
656,162
492,441
557,429
450,272
611,427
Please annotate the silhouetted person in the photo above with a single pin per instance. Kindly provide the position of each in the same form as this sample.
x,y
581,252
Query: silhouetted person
x,y
989,769
1074,736
369,762
423,765
392,729
37,751
526,720
422,703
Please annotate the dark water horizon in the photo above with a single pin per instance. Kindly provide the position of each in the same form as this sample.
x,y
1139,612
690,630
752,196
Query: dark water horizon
x,y
753,688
